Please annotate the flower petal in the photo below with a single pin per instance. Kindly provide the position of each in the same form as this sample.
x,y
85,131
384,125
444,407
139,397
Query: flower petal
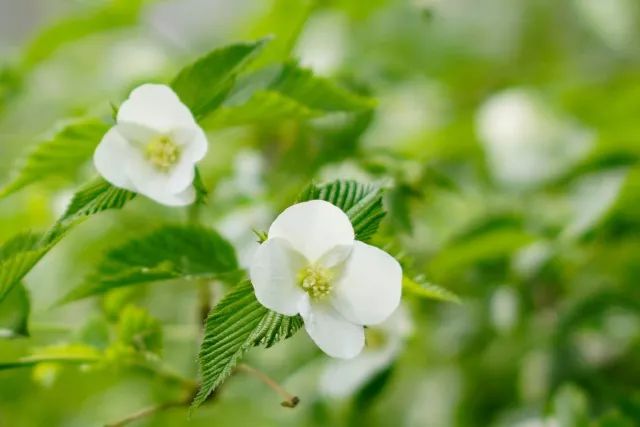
x,y
273,274
313,228
369,288
157,107
193,141
109,157
334,334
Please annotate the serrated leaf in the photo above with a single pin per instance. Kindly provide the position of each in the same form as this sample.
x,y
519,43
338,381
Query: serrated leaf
x,y
203,85
318,93
236,324
262,107
18,256
14,313
96,196
429,291
291,93
60,156
167,253
361,202
139,330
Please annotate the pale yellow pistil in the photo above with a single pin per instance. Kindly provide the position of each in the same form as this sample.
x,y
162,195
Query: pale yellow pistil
x,y
162,152
316,281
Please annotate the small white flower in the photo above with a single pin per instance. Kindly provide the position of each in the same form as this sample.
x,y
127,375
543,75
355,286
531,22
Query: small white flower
x,y
311,264
154,146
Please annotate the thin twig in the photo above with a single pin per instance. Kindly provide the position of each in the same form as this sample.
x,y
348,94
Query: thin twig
x,y
149,411
290,401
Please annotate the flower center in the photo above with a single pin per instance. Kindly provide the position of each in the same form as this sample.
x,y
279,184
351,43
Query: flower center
x,y
316,281
162,152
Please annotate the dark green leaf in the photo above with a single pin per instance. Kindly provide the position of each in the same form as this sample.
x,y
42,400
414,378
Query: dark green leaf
x,y
203,85
362,203
60,156
168,253
236,324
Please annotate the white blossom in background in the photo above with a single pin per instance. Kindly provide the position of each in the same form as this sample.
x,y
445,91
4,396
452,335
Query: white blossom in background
x,y
322,43
153,147
312,265
525,143
384,342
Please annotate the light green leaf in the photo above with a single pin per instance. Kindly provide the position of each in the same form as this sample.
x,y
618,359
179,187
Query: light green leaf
x,y
428,290
139,330
170,252
236,324
96,196
60,156
289,93
14,313
318,93
203,85
361,202
75,354
114,14
263,107
18,256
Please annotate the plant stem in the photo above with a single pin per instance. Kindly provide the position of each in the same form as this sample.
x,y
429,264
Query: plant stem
x,y
149,411
290,401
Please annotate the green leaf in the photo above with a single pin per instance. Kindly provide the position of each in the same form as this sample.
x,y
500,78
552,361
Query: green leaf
x,y
14,313
75,354
236,324
139,330
18,256
291,93
429,291
60,156
318,93
361,202
115,14
167,253
203,85
263,107
96,196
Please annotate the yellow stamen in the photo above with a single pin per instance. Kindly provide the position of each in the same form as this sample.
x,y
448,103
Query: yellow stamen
x,y
316,281
162,152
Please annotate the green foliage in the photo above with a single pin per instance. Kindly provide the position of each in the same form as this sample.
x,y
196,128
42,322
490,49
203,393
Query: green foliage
x,y
428,290
189,252
362,203
204,84
95,197
117,13
14,313
74,354
236,324
18,256
61,155
139,330
291,93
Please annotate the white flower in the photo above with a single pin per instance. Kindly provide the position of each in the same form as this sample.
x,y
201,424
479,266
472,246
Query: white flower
x,y
153,147
341,378
311,265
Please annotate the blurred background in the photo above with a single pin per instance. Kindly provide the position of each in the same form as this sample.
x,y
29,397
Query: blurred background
x,y
508,132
